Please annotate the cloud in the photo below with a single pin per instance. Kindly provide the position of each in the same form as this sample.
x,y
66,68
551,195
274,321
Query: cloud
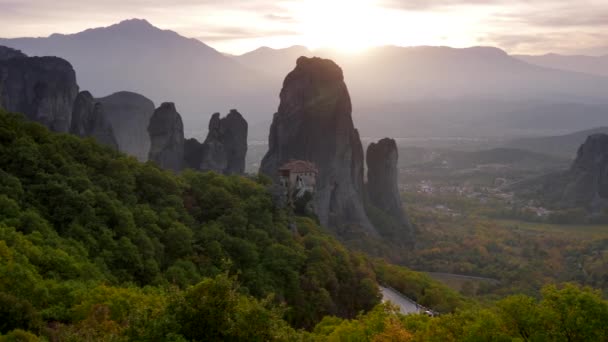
x,y
280,18
417,5
563,17
231,33
515,25
556,42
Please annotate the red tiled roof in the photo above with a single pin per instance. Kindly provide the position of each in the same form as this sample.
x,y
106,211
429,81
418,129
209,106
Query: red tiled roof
x,y
299,166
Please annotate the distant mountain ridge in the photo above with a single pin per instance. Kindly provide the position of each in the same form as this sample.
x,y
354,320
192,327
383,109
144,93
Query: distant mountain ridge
x,y
396,91
560,145
514,157
593,65
400,74
134,55
442,91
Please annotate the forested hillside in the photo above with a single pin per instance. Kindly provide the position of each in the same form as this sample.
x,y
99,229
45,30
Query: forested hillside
x,y
85,230
96,246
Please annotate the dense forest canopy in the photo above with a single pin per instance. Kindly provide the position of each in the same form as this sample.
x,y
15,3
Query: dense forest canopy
x,y
95,245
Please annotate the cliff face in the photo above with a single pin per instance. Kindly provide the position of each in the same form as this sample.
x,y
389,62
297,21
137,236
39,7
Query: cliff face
x,y
8,53
225,147
42,88
88,120
314,123
588,176
129,113
193,154
166,131
382,184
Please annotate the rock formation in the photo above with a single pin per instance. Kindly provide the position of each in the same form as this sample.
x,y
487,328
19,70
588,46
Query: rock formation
x,y
584,185
225,147
193,154
8,53
588,176
314,124
129,113
166,131
382,187
88,120
42,88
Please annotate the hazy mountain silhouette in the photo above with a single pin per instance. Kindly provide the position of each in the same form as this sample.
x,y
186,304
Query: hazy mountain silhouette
x,y
594,65
395,91
479,91
395,74
468,117
273,62
560,145
161,65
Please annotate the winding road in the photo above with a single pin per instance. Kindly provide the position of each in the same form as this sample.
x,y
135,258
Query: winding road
x,y
406,305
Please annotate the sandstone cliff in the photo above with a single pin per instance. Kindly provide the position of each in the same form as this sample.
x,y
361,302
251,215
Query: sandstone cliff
x,y
314,123
42,88
89,120
382,183
129,113
193,154
588,175
8,53
225,147
166,131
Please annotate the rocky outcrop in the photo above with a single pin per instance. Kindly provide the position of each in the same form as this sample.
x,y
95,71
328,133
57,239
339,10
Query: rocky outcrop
x,y
225,147
193,154
129,113
166,131
42,88
8,53
88,120
382,186
588,176
314,124
583,186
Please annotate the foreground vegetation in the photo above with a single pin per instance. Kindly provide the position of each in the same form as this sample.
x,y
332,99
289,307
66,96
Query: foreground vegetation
x,y
524,256
82,225
95,246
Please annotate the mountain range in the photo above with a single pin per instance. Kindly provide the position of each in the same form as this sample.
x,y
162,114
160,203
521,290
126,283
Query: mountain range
x,y
135,56
561,145
396,91
592,65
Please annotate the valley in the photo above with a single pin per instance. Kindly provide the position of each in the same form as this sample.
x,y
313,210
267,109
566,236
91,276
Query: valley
x,y
153,188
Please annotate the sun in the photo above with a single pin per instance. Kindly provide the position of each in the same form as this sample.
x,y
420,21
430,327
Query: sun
x,y
343,25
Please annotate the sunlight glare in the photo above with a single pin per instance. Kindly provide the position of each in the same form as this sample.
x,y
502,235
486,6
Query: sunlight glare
x,y
343,25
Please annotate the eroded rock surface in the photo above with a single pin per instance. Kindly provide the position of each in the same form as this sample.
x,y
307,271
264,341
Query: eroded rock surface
x,y
42,88
314,123
129,113
382,183
89,120
225,147
588,175
166,131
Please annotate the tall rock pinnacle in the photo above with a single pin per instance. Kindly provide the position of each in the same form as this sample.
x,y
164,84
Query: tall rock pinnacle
x,y
129,113
588,175
314,124
42,88
89,120
166,131
225,148
382,186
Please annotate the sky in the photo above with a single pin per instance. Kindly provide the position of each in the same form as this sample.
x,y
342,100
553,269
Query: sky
x,y
517,26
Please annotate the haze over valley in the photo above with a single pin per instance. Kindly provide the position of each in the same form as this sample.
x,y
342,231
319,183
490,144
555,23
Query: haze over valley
x,y
397,91
335,170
